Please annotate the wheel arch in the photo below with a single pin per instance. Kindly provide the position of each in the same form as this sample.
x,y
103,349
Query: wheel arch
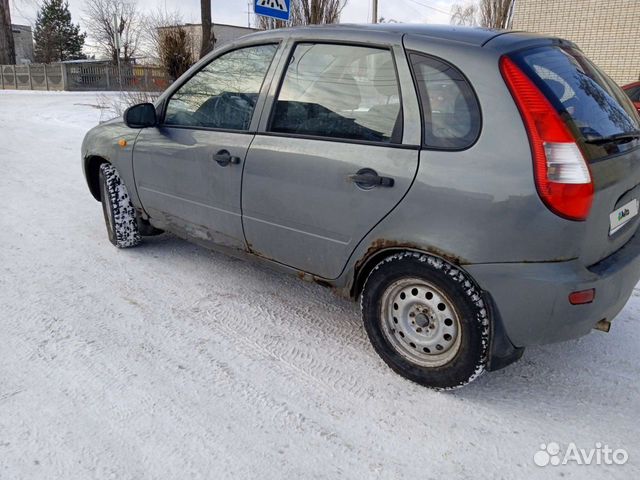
x,y
92,173
376,253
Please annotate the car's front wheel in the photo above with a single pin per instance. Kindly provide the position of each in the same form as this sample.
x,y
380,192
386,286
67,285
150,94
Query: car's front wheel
x,y
426,319
119,214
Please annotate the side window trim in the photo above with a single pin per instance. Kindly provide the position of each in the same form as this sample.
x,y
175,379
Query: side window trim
x,y
422,100
262,92
279,79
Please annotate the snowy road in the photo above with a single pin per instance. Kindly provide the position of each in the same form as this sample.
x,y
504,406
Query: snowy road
x,y
171,362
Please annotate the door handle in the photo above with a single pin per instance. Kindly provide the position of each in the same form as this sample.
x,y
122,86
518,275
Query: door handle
x,y
368,178
224,158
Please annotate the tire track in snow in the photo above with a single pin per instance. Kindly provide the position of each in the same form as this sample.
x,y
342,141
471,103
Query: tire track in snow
x,y
284,349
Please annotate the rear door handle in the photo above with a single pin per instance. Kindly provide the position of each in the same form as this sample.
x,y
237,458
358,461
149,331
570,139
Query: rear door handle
x,y
224,158
369,178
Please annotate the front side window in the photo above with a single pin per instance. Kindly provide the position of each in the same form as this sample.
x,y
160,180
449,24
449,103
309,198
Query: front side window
x,y
224,93
340,91
450,109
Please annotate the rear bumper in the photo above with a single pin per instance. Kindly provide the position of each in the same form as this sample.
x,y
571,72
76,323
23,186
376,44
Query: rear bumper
x,y
532,298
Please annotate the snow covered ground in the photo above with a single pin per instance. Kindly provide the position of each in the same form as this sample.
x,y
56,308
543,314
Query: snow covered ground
x,y
171,362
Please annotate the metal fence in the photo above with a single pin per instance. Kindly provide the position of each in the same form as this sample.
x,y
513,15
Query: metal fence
x,y
82,77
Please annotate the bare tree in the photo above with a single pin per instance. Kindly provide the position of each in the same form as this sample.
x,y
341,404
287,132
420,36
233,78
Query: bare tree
x,y
99,21
7,48
112,106
266,23
175,51
317,12
168,42
495,13
464,14
155,23
307,12
208,39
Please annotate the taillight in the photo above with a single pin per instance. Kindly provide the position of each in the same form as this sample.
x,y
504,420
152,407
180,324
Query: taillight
x,y
562,177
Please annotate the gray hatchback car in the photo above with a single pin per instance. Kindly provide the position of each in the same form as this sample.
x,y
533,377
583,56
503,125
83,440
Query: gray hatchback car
x,y
477,190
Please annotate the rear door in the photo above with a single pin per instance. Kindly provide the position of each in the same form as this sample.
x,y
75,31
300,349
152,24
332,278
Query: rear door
x,y
607,129
188,171
331,160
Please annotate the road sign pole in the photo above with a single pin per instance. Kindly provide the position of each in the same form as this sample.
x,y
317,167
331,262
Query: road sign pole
x,y
374,10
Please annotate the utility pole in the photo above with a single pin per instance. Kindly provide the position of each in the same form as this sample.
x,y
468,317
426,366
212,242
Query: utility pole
x,y
374,10
7,48
249,14
208,38
116,43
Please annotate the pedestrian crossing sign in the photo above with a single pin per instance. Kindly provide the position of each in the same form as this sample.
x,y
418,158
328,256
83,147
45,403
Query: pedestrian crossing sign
x,y
279,9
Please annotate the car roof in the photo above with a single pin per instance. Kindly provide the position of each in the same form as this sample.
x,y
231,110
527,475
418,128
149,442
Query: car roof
x,y
477,36
472,35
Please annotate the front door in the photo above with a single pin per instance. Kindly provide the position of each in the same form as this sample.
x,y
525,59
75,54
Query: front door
x,y
330,165
188,171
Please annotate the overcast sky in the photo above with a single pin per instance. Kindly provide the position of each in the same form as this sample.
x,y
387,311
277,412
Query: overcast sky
x,y
234,12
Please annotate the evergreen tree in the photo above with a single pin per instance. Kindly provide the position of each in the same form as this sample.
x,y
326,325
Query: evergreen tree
x,y
56,38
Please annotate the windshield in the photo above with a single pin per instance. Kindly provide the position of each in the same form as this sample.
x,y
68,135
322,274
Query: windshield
x,y
593,106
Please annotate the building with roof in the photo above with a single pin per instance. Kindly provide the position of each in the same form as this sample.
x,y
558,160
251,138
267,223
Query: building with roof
x,y
23,41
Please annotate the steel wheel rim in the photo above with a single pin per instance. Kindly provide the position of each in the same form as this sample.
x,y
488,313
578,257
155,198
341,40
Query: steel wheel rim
x,y
421,322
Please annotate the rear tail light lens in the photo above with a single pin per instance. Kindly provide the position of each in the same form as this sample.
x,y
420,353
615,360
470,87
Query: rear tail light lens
x,y
565,164
562,176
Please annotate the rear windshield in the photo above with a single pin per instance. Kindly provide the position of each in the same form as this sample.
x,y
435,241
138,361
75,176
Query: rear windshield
x,y
593,106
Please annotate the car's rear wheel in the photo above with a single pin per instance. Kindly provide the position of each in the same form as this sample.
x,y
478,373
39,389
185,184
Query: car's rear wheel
x,y
426,319
119,214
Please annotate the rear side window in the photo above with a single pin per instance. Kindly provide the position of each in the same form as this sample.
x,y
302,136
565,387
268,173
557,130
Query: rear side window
x,y
593,106
450,110
340,91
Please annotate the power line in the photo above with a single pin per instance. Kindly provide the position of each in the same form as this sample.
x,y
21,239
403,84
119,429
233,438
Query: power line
x,y
431,7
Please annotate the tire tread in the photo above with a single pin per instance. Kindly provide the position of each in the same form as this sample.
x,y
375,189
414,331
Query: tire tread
x,y
125,225
465,285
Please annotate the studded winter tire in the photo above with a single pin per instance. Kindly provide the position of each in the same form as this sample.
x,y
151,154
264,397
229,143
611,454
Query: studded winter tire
x,y
427,320
119,214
